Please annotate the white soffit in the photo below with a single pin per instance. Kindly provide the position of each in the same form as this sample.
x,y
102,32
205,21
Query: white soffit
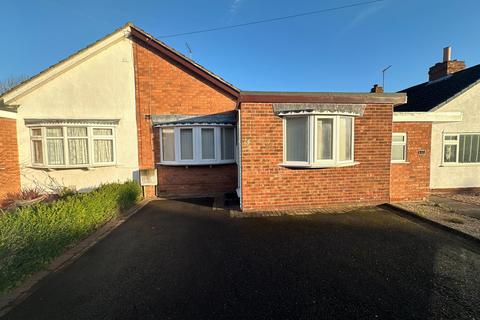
x,y
8,114
427,116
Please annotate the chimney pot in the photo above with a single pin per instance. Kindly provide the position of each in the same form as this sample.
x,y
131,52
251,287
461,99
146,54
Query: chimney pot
x,y
447,54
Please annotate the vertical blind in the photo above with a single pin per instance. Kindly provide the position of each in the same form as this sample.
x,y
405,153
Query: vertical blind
x,y
297,137
208,143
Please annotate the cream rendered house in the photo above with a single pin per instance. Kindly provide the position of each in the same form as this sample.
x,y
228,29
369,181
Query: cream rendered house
x,y
73,117
451,97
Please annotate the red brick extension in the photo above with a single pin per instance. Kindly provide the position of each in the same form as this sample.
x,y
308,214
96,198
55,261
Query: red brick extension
x,y
164,87
9,168
268,186
411,181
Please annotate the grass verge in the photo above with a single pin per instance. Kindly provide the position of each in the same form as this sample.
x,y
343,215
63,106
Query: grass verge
x,y
31,237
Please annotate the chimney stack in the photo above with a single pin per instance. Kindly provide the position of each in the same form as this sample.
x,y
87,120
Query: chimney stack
x,y
448,66
376,89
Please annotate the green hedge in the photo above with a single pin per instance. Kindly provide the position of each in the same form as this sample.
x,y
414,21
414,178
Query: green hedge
x,y
30,237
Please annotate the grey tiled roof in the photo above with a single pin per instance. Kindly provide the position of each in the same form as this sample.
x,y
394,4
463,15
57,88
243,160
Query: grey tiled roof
x,y
428,95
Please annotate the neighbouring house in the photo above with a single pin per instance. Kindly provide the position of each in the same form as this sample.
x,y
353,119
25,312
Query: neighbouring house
x,y
9,168
450,102
130,107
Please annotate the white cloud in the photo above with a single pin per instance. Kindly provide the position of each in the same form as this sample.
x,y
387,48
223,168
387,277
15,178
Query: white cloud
x,y
235,5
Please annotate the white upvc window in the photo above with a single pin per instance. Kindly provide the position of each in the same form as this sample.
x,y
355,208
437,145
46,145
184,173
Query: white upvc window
x,y
76,146
399,147
318,140
461,149
197,145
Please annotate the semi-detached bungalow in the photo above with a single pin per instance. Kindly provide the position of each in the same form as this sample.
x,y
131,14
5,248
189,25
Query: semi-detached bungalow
x,y
130,107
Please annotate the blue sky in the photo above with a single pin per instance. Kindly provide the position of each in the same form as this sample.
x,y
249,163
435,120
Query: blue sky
x,y
335,51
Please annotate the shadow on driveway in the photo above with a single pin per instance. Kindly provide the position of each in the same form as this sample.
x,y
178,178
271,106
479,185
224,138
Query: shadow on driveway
x,y
178,260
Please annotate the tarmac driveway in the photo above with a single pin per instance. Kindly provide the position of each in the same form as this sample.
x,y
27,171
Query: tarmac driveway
x,y
178,260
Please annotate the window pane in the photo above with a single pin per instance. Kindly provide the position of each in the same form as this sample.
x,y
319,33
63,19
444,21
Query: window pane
x,y
345,139
451,138
37,132
297,138
186,144
102,131
208,144
228,143
77,151
55,152
450,153
398,152
469,148
102,150
37,151
398,138
323,142
168,145
54,132
77,132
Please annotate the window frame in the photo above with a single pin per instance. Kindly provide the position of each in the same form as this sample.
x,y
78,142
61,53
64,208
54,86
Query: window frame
x,y
456,143
399,143
90,145
197,145
312,161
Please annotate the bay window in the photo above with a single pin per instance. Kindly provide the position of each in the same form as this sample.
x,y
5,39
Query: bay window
x,y
462,148
197,145
72,146
318,140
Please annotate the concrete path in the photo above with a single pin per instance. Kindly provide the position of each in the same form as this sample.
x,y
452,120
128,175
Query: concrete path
x,y
463,208
179,260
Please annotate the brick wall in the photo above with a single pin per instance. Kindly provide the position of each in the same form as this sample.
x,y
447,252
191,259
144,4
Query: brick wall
x,y
9,168
268,186
411,181
164,87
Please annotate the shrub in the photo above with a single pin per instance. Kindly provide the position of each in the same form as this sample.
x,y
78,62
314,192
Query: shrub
x,y
30,237
24,195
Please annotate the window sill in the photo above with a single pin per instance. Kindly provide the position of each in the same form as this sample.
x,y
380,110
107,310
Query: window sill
x,y
195,164
460,165
399,162
85,167
318,166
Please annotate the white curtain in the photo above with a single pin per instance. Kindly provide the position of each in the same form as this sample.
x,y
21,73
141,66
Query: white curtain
x,y
102,132
297,138
55,151
103,150
54,132
208,143
228,143
168,144
37,151
77,151
345,139
186,144
324,144
76,131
